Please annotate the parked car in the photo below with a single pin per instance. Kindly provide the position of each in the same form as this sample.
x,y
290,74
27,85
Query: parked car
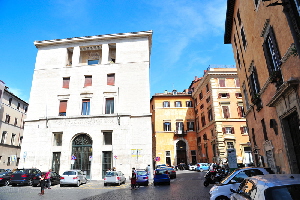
x,y
192,167
270,186
72,177
183,166
5,178
161,166
233,180
2,170
202,167
161,176
114,177
54,178
142,177
23,176
171,172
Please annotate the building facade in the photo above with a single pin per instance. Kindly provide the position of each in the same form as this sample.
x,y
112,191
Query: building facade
x,y
13,111
90,105
219,116
265,40
173,122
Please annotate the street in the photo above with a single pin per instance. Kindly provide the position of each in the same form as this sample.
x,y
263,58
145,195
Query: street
x,y
187,185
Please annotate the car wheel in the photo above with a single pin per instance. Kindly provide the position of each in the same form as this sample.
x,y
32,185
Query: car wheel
x,y
6,183
78,184
222,198
29,182
206,183
105,184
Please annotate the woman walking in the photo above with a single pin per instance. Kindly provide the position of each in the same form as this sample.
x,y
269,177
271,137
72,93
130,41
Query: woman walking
x,y
42,183
133,179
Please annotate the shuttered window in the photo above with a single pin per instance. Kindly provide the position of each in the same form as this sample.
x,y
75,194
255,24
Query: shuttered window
x,y
85,107
63,108
226,112
222,82
88,81
110,79
66,82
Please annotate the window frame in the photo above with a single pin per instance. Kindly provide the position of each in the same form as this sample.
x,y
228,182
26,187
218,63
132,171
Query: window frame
x,y
111,79
85,106
66,82
167,126
166,104
189,104
88,80
178,104
110,105
107,138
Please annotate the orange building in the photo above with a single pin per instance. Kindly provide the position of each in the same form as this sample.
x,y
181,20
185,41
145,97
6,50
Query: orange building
x,y
220,122
265,40
173,125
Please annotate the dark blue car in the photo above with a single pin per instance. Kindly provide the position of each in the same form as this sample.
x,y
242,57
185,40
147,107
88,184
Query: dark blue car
x,y
161,176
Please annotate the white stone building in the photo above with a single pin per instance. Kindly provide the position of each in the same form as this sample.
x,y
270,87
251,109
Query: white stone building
x,y
90,100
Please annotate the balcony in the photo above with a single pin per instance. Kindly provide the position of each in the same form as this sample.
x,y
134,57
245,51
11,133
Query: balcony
x,y
180,133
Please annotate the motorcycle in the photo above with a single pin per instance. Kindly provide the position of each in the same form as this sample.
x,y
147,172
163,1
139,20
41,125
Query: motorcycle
x,y
214,176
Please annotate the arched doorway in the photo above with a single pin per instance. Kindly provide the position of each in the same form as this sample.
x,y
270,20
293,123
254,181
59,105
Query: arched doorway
x,y
82,150
181,152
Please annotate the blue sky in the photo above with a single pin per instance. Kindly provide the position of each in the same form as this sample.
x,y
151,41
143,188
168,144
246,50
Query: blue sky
x,y
187,35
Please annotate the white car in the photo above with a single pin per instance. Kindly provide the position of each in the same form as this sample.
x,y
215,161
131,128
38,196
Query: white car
x,y
233,181
192,167
72,177
114,177
270,186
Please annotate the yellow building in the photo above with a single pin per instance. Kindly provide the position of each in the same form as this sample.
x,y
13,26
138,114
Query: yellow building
x,y
220,118
173,125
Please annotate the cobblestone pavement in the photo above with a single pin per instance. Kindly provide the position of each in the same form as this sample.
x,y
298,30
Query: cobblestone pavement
x,y
187,185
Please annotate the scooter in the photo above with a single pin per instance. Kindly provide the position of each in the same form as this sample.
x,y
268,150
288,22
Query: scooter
x,y
213,176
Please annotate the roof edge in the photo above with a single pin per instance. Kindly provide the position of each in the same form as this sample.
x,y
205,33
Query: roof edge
x,y
229,21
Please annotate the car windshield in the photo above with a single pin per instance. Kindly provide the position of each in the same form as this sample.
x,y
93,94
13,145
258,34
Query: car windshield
x,y
228,177
20,171
141,173
160,172
111,173
286,192
69,173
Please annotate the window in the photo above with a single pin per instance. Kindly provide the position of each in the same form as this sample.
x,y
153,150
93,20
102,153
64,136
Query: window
x,y
207,88
166,104
241,112
203,120
109,106
208,99
9,101
57,139
85,107
230,145
168,153
243,37
238,95
228,130
167,126
297,3
222,82
271,52
18,107
224,95
8,161
201,106
244,130
226,113
254,84
21,140
237,82
189,104
93,62
7,118
210,115
246,96
3,137
16,121
201,95
66,82
190,126
110,79
63,108
107,138
12,140
178,104
179,127
87,81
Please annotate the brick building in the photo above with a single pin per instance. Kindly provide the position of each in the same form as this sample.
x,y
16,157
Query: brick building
x,y
219,116
265,40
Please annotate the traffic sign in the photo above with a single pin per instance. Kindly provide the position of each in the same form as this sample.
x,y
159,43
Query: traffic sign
x,y
73,157
116,157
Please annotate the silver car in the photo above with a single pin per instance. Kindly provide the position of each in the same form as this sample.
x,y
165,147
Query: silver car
x,y
114,177
72,177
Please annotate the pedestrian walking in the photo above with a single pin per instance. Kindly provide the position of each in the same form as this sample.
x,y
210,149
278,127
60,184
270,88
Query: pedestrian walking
x,y
48,181
42,183
133,179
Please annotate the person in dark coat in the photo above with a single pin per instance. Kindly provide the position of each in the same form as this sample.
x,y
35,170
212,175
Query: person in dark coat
x,y
133,179
42,183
